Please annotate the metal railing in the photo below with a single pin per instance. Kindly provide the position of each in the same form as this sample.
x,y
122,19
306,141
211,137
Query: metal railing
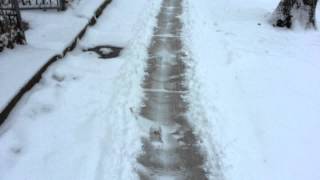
x,y
38,4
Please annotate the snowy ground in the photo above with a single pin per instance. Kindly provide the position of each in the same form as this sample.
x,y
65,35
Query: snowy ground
x,y
254,95
79,122
50,32
259,88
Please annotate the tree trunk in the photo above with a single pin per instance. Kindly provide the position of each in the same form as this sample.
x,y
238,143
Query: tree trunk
x,y
290,10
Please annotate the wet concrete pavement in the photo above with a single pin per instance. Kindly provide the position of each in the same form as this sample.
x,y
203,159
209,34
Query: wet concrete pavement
x,y
171,151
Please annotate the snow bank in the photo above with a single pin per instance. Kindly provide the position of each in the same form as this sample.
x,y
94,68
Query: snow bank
x,y
258,88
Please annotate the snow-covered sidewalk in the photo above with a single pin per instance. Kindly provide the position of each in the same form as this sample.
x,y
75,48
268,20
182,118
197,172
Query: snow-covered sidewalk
x,y
49,34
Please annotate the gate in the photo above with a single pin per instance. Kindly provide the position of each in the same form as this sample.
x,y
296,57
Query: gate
x,y
11,31
39,4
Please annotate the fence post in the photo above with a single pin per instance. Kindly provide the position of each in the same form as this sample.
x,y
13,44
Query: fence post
x,y
20,39
62,5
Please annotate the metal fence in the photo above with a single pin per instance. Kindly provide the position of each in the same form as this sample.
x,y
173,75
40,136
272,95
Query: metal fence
x,y
38,4
11,31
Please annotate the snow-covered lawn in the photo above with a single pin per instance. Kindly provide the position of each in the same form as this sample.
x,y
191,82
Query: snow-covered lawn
x,y
78,123
50,32
259,88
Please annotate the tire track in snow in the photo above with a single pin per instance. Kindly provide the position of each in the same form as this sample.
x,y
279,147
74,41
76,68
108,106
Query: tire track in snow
x,y
171,151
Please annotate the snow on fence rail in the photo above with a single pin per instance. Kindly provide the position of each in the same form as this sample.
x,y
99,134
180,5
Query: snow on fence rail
x,y
11,31
38,4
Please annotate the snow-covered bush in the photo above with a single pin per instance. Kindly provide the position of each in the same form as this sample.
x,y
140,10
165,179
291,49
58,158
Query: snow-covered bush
x,y
9,35
8,25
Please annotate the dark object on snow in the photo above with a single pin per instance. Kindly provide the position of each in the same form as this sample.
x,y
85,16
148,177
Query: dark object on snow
x,y
11,29
300,10
105,51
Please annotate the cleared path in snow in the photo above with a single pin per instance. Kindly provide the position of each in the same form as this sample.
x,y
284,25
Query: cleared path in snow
x,y
171,150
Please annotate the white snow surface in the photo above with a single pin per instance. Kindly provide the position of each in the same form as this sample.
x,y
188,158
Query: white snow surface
x,y
253,93
79,122
254,90
50,32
